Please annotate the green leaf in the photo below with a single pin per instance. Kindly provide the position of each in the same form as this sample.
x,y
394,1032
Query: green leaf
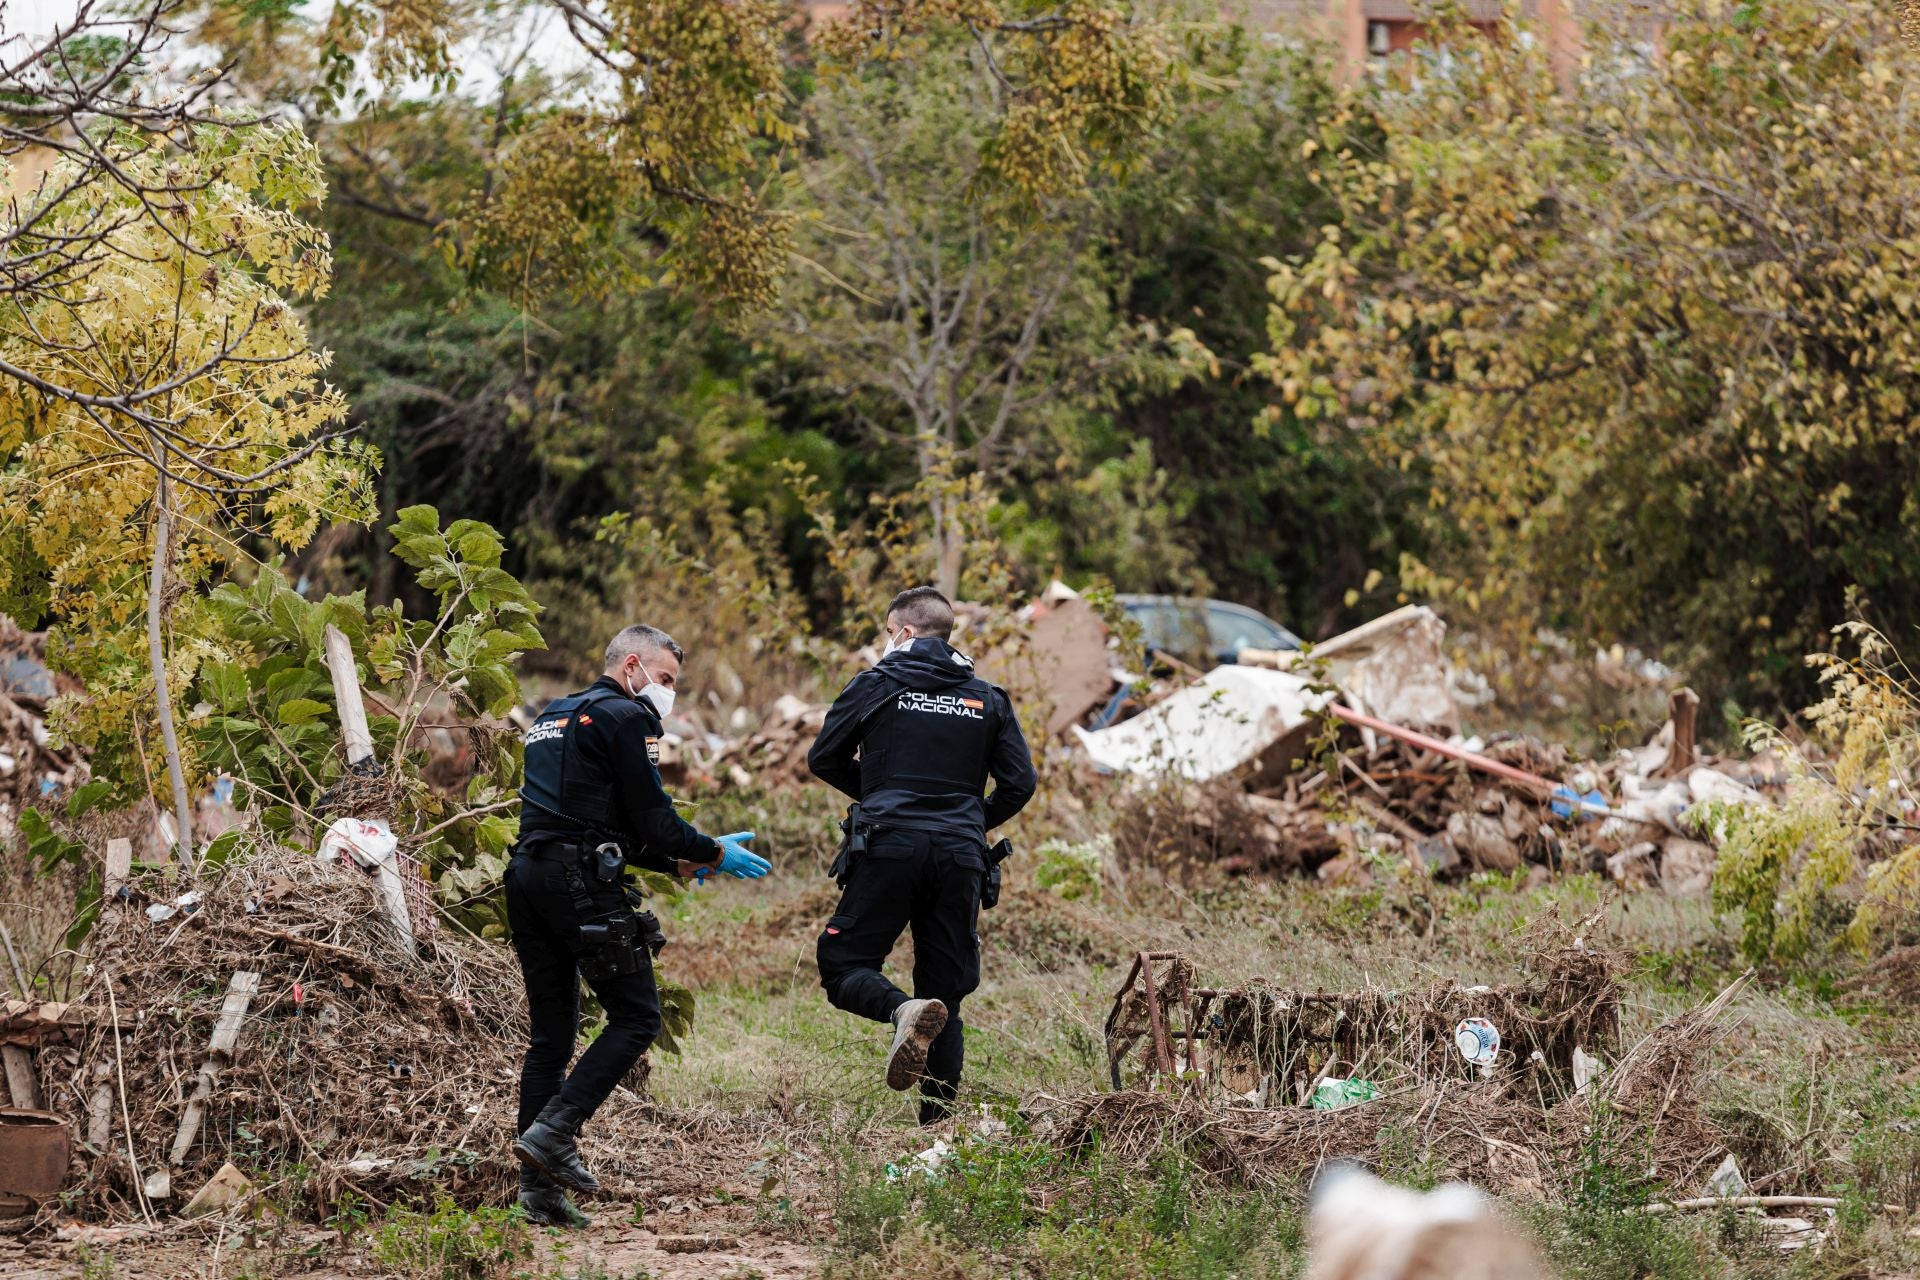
x,y
88,903
47,847
87,796
223,848
224,684
414,521
657,884
496,832
302,711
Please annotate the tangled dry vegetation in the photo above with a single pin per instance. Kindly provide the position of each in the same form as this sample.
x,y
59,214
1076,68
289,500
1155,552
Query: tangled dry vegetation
x,y
1245,1061
361,1066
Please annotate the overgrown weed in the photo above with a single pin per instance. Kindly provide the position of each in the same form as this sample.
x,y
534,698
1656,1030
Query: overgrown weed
x,y
451,1243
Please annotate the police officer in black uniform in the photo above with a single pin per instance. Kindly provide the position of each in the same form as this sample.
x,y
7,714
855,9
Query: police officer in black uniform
x,y
592,805
929,733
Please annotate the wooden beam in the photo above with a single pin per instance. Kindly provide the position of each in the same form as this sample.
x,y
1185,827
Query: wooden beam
x,y
346,696
226,1033
1683,711
22,1082
119,867
100,1109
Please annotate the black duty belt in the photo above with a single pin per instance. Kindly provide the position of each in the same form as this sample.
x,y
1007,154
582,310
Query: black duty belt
x,y
559,849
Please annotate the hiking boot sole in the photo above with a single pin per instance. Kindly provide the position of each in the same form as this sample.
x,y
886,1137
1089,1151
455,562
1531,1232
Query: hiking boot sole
x,y
909,1062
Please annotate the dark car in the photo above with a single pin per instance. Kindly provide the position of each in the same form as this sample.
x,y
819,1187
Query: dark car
x,y
1197,630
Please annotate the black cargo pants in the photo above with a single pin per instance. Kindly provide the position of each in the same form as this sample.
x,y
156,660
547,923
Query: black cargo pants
x,y
931,883
546,937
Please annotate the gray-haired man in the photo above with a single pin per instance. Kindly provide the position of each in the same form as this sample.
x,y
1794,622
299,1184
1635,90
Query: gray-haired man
x,y
591,805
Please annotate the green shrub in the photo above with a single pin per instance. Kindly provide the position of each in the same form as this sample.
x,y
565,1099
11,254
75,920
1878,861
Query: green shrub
x,y
449,1243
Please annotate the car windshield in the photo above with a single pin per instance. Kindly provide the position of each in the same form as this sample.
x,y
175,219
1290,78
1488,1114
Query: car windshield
x,y
1231,630
1206,628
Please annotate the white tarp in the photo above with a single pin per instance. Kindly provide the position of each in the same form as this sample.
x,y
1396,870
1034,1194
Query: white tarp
x,y
1391,668
1229,718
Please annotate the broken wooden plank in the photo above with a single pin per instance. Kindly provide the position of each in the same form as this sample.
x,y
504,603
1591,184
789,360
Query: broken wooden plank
x,y
13,960
32,1022
346,696
119,868
1683,713
22,1081
226,1033
100,1108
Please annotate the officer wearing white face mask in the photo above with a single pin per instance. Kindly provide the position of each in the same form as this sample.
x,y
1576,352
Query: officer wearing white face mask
x,y
591,806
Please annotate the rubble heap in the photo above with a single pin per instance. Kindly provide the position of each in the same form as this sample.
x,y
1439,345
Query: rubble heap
x,y
1263,1086
1330,763
277,1022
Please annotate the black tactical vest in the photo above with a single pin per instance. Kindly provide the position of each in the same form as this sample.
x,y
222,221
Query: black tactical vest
x,y
929,743
558,778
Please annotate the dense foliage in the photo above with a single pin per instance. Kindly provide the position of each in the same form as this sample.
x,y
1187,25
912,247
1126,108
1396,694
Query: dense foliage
x,y
1078,389
1650,338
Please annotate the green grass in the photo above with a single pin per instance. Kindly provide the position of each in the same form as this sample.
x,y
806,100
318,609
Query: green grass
x,y
1020,1208
1821,1094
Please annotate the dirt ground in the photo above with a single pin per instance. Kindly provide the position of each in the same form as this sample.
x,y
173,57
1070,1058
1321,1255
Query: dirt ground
x,y
742,1169
707,1248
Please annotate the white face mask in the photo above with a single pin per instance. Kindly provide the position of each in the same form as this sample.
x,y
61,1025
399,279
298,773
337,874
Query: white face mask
x,y
653,691
894,646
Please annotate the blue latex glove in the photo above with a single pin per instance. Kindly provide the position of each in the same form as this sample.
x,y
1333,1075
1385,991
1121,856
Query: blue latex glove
x,y
739,861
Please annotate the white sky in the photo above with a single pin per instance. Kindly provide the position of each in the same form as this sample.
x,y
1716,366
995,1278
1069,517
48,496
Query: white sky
x,y
536,29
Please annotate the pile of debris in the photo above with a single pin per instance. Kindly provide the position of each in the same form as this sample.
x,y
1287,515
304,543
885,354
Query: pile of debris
x,y
1330,762
276,1019
1495,1085
1324,762
773,757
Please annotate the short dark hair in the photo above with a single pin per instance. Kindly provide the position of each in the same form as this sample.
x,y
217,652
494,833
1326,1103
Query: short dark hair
x,y
641,639
925,610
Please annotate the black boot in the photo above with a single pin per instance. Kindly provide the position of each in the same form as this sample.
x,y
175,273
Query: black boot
x,y
545,1204
548,1146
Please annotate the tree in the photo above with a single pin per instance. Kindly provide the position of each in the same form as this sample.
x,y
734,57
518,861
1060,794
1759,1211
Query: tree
x,y
1209,488
654,171
1650,339
159,400
952,333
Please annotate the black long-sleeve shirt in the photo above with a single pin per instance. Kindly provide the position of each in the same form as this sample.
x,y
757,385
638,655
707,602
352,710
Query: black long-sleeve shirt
x,y
933,676
615,743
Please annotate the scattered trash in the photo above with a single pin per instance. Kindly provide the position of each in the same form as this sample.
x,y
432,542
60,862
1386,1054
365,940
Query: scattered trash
x,y
1062,660
1686,867
1568,803
1726,1180
1635,867
222,1191
1231,718
23,676
1259,1049
1484,841
1391,667
926,1163
1478,1041
1163,1025
33,1153
1333,1094
373,846
1586,1068
369,844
